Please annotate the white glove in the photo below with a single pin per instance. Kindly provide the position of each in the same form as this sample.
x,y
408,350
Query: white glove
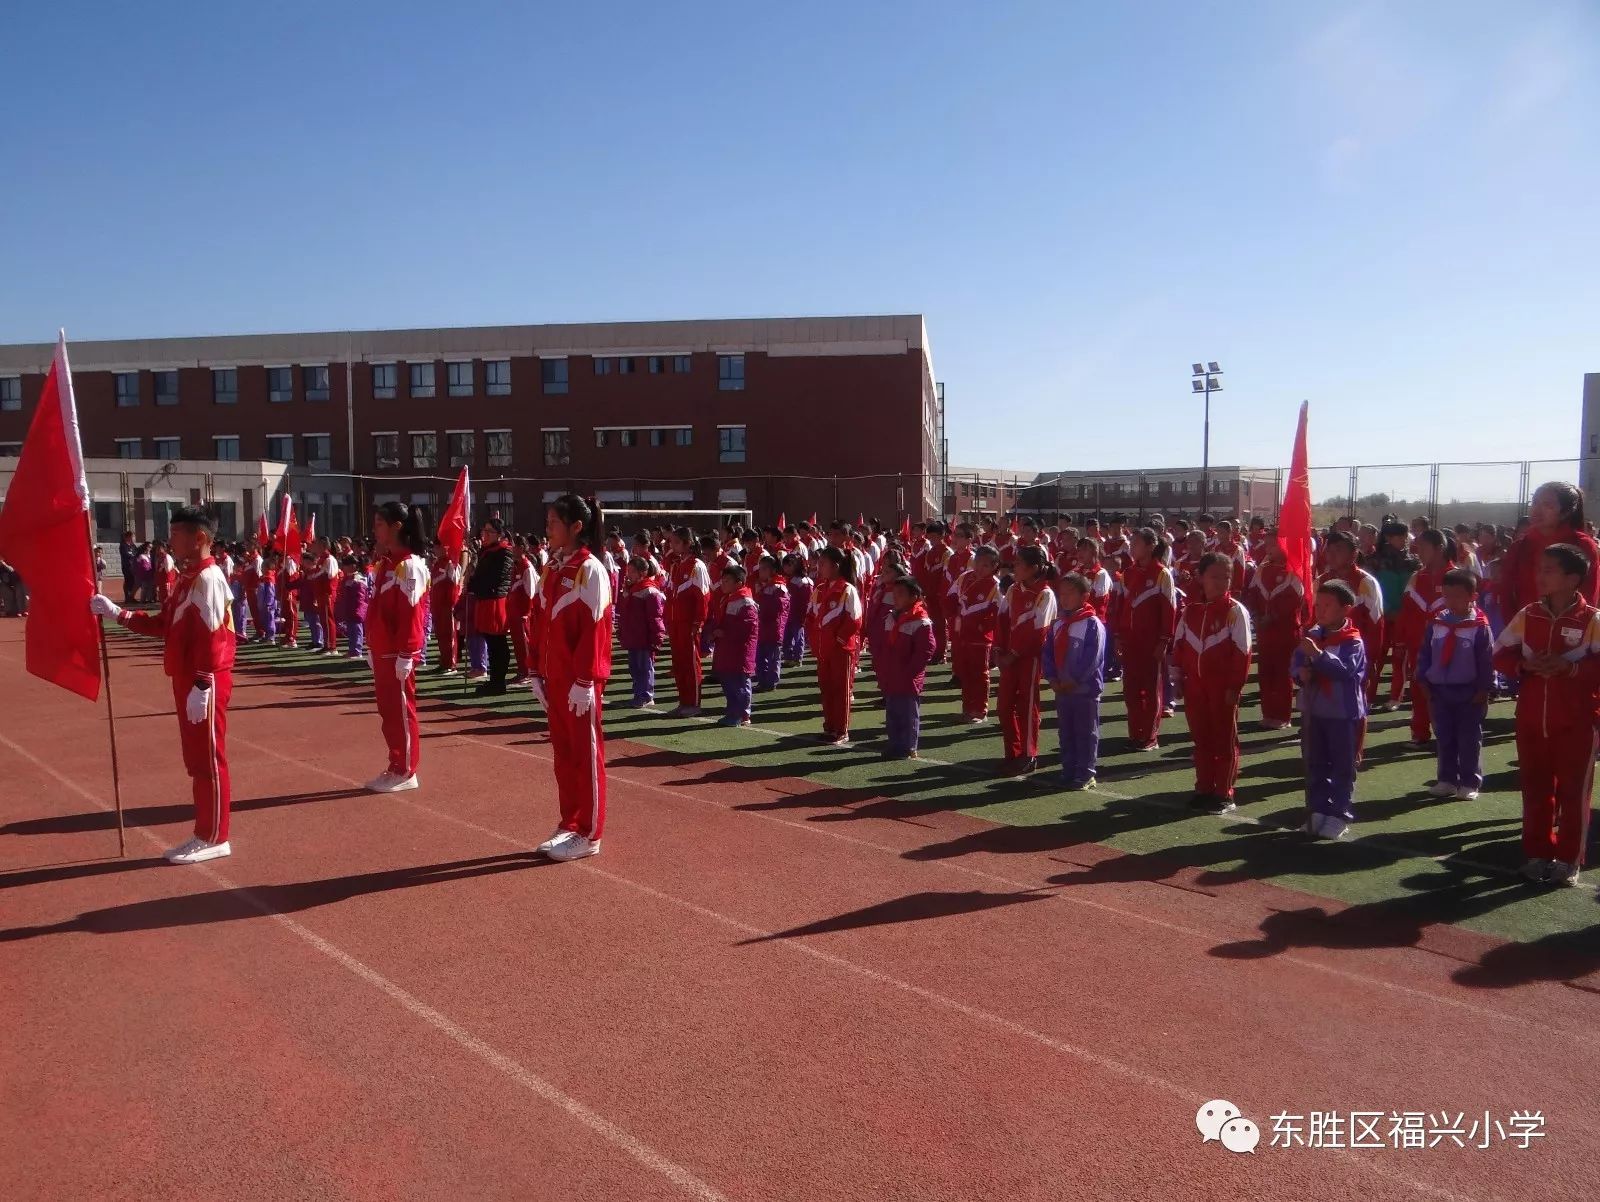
x,y
402,666
195,706
370,668
539,695
103,606
580,699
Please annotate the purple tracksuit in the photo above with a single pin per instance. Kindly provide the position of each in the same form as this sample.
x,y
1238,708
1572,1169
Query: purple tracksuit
x,y
1076,651
1334,703
733,654
794,629
350,612
772,605
1452,689
900,655
641,629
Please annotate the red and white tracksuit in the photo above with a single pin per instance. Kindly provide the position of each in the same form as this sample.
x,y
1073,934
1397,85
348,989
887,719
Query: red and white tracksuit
x,y
833,624
395,628
324,578
443,595
1145,626
196,623
928,569
688,588
977,610
1277,599
955,567
1555,725
1212,650
1411,624
571,644
519,608
1025,616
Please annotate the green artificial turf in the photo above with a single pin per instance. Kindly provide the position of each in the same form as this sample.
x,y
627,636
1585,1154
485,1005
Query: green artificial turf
x,y
1410,860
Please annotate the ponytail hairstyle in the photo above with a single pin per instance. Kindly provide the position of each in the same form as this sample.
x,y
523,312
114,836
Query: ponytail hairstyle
x,y
1569,499
1158,549
409,519
572,509
844,563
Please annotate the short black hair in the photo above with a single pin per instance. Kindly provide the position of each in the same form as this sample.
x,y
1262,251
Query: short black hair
x,y
1339,591
193,515
1076,580
909,583
1569,559
1210,560
1460,577
735,570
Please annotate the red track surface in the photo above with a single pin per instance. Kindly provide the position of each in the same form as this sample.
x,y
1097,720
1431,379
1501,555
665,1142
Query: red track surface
x,y
749,994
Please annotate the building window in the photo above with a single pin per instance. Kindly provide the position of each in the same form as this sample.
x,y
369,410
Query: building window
x,y
280,447
730,444
10,393
628,438
458,378
424,450
227,447
497,445
167,448
553,375
604,367
730,373
499,504
460,445
319,451
557,447
422,384
383,381
386,450
10,450
129,448
602,438
316,383
497,377
127,389
680,364
684,436
224,386
658,364
280,384
658,438
166,387
1218,487
625,365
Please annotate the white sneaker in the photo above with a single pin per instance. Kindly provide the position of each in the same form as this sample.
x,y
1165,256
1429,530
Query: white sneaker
x,y
575,848
1467,793
381,782
555,840
196,851
1441,788
394,784
1562,873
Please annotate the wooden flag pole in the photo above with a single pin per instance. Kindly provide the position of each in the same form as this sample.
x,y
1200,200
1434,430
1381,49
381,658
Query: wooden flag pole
x,y
111,720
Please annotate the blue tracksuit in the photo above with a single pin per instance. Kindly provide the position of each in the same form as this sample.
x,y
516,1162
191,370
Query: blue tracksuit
x,y
1334,705
1452,687
1076,652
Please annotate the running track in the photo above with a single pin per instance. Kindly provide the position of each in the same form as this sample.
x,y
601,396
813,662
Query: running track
x,y
748,995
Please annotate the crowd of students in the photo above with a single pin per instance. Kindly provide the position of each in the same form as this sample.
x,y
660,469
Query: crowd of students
x,y
1180,613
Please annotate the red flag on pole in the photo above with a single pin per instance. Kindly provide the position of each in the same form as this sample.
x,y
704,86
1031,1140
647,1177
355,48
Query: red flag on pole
x,y
1294,517
1016,526
45,536
263,535
813,517
311,529
293,547
453,525
905,531
783,522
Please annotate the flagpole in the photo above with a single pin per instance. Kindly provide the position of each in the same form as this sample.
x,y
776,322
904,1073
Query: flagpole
x,y
111,721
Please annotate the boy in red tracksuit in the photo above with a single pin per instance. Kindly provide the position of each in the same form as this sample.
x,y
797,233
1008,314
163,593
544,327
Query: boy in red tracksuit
x,y
1277,601
928,568
196,624
954,568
977,608
1416,607
733,645
519,604
1553,646
1144,632
688,592
1026,614
1213,656
834,629
444,595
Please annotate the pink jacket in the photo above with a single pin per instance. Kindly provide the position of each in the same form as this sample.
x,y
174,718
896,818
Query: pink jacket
x,y
733,648
901,650
642,617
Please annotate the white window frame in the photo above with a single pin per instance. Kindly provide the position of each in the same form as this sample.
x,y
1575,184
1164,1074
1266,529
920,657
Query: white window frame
x,y
122,442
394,389
306,386
290,437
217,438
308,438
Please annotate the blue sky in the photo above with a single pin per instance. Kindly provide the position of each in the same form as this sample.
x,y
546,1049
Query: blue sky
x,y
1388,209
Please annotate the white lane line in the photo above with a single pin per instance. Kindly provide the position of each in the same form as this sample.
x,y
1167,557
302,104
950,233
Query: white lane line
x,y
436,1019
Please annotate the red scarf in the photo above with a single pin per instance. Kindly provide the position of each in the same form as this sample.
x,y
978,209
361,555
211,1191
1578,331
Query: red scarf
x,y
1065,624
917,610
644,585
1331,638
1474,618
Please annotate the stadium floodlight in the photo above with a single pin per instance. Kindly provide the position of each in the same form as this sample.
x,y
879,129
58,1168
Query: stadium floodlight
x,y
1199,385
1199,369
1213,368
1204,383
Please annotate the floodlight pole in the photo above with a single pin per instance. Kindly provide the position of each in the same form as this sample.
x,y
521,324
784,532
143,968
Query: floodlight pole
x,y
1205,380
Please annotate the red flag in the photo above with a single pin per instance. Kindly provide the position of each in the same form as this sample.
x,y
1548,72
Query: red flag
x,y
783,522
293,547
453,525
861,521
1294,517
263,535
905,531
813,517
280,536
311,529
44,535
1016,526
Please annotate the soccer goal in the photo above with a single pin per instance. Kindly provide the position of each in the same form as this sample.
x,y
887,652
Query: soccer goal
x,y
630,521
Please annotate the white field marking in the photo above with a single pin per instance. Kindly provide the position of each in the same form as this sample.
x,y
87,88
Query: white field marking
x,y
1130,915
977,1014
595,1122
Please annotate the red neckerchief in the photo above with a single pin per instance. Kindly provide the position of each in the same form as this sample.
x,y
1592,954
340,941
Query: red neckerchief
x,y
917,610
1475,617
644,585
1346,633
1062,641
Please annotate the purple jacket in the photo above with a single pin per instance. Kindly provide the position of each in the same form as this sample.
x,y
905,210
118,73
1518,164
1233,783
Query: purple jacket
x,y
901,650
1076,650
772,604
1336,689
733,650
350,605
642,618
1471,667
799,601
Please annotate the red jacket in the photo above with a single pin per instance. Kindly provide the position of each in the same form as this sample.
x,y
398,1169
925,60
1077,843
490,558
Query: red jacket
x,y
733,641
396,618
833,624
1212,647
928,569
1368,612
688,585
196,621
571,622
977,609
902,650
1518,577
1149,608
1420,600
1276,599
1553,703
1026,614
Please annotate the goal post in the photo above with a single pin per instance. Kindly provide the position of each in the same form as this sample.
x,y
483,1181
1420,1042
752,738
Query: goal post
x,y
629,521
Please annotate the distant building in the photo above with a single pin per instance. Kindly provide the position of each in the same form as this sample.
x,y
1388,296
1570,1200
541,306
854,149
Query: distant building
x,y
1589,448
1137,493
974,493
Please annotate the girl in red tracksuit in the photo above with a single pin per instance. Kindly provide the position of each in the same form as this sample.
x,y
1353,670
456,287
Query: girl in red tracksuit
x,y
1144,632
1027,612
1555,515
519,604
1277,600
1212,650
834,628
1437,553
442,601
572,661
976,606
688,591
395,628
